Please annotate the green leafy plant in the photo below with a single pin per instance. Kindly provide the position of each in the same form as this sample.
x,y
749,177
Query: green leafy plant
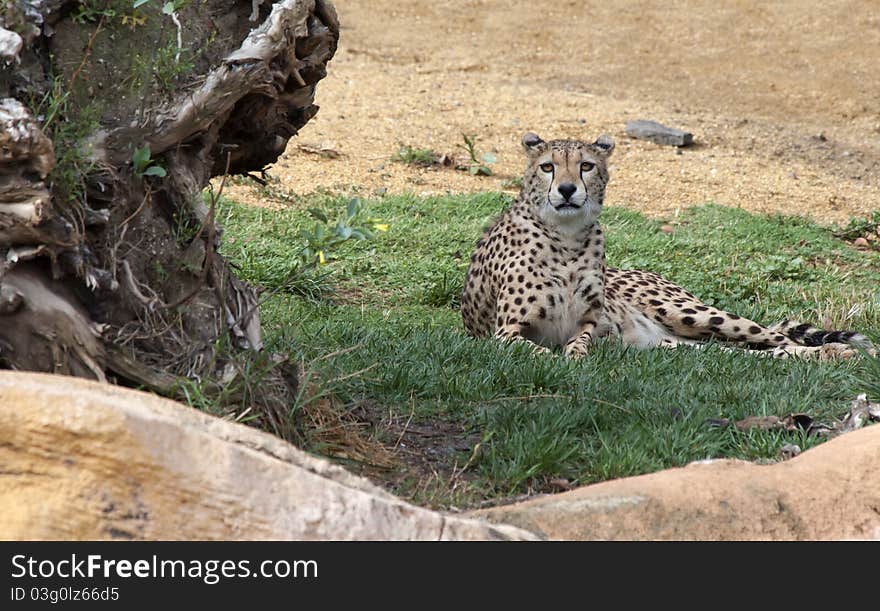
x,y
325,236
478,164
291,249
144,165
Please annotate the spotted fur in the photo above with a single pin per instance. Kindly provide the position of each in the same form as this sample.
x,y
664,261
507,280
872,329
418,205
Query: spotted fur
x,y
538,274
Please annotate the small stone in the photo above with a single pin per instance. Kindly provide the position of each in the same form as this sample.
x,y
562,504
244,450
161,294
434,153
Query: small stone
x,y
559,484
860,243
789,450
667,228
10,45
10,300
657,133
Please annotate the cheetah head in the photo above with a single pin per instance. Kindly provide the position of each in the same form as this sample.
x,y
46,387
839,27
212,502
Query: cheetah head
x,y
565,179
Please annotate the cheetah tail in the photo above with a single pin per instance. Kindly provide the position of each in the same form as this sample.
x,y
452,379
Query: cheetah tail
x,y
809,335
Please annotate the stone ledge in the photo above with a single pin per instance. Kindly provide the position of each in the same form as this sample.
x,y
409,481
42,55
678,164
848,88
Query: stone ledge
x,y
83,460
829,492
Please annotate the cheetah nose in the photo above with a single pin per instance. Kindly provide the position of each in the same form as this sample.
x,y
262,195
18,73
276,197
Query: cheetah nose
x,y
566,190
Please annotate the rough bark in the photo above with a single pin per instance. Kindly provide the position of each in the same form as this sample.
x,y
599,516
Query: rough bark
x,y
111,272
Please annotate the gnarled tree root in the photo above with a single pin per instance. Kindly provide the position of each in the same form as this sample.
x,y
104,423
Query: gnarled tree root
x,y
119,277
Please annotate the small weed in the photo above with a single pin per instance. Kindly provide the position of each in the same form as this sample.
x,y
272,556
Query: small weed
x,y
478,164
160,270
164,67
866,227
185,227
869,380
415,156
69,127
253,390
445,291
440,491
512,183
169,63
90,11
134,20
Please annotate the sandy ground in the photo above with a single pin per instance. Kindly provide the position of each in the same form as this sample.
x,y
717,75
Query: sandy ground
x,y
783,98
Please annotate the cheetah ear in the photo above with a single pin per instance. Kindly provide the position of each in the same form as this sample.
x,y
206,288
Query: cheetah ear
x,y
604,144
533,144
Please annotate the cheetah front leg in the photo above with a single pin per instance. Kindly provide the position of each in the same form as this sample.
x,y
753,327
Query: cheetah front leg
x,y
579,344
513,333
513,319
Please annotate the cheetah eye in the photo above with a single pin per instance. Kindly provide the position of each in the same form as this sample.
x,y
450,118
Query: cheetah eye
x,y
546,167
586,166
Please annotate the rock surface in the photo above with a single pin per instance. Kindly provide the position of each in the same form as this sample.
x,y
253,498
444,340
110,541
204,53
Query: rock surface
x,y
829,492
657,133
83,460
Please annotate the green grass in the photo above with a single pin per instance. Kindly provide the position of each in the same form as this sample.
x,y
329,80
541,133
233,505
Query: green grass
x,y
617,412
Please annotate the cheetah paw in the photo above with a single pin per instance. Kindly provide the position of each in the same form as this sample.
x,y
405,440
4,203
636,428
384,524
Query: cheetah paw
x,y
575,351
833,351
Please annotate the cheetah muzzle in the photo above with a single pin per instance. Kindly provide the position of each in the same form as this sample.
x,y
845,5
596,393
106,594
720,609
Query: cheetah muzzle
x,y
538,275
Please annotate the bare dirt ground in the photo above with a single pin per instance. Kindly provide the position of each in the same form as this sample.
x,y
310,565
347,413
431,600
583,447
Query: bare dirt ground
x,y
782,99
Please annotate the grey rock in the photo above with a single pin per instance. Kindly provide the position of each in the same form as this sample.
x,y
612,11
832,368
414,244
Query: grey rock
x,y
661,134
10,45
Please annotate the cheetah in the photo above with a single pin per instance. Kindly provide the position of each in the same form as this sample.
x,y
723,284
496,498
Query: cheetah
x,y
538,275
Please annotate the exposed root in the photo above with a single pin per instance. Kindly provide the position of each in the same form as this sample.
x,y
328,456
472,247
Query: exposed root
x,y
121,275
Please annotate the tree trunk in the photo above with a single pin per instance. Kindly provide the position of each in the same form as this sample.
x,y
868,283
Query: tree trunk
x,y
113,119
